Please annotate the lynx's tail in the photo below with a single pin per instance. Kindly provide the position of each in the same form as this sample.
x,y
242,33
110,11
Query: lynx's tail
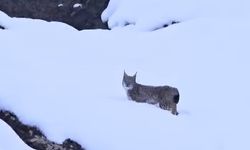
x,y
176,98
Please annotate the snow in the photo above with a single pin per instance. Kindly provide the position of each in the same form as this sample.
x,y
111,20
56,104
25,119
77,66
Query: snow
x,y
11,140
76,5
60,5
69,83
152,14
22,25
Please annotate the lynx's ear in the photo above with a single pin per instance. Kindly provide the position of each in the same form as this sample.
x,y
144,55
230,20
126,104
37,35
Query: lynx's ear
x,y
135,75
125,74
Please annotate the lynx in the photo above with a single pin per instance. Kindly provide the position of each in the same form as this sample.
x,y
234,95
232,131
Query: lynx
x,y
165,97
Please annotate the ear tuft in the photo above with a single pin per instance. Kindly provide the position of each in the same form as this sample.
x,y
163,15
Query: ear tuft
x,y
135,74
125,74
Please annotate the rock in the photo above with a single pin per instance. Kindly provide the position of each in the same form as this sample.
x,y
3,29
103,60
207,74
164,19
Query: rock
x,y
33,136
68,144
81,14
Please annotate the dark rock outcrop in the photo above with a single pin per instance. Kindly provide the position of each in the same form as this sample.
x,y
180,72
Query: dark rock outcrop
x,y
33,136
81,14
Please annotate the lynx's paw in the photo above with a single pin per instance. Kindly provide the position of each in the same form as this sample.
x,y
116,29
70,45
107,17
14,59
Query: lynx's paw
x,y
175,113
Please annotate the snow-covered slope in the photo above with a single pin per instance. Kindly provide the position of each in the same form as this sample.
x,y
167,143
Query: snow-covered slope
x,y
68,83
9,139
152,14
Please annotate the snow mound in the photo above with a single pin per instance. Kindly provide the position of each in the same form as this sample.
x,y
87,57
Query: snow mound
x,y
26,25
10,140
152,14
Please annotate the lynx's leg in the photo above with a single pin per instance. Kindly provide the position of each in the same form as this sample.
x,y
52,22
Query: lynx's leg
x,y
168,106
174,109
163,105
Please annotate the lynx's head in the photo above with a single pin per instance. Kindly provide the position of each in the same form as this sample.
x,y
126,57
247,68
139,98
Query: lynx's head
x,y
128,82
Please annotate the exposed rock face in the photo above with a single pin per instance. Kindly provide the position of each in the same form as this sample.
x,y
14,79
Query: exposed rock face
x,y
33,136
81,14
